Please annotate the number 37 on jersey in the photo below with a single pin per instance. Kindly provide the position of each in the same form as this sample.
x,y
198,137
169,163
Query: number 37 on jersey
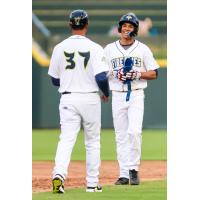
x,y
70,59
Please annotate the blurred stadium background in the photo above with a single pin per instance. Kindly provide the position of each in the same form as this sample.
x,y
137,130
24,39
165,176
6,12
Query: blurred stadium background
x,y
49,26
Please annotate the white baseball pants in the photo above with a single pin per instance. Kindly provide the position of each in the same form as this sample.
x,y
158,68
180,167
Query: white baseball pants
x,y
127,119
76,109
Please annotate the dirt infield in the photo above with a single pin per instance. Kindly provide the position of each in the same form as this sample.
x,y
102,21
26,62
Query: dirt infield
x,y
41,177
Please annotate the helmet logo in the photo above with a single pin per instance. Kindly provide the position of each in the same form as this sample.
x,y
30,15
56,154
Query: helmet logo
x,y
77,20
129,17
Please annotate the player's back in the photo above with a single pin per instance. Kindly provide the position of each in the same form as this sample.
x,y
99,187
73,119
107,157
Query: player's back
x,y
78,62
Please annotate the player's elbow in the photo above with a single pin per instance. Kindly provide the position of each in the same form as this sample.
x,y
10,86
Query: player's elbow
x,y
101,77
55,81
153,74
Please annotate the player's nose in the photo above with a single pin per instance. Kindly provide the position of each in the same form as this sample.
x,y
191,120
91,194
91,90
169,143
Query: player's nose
x,y
127,29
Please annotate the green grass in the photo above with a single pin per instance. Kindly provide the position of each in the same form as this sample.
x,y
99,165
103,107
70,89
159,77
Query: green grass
x,y
44,143
156,190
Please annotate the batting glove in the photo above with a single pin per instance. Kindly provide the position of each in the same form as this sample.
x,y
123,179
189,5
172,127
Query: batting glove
x,y
121,76
133,75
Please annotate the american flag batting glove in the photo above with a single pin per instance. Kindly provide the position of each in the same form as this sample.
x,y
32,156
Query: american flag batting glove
x,y
121,76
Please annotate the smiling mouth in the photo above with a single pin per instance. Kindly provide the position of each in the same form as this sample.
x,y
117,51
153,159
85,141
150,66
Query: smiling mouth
x,y
126,33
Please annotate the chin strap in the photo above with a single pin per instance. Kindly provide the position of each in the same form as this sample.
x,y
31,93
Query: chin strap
x,y
131,34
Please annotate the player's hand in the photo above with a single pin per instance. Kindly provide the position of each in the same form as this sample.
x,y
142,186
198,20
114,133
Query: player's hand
x,y
121,76
104,98
133,75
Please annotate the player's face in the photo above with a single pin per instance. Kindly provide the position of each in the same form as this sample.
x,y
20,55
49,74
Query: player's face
x,y
126,28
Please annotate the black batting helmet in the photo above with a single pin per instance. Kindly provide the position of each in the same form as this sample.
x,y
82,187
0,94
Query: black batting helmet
x,y
78,19
129,18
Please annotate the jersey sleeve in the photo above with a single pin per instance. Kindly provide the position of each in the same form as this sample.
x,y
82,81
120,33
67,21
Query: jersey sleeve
x,y
98,61
111,73
54,64
149,61
107,57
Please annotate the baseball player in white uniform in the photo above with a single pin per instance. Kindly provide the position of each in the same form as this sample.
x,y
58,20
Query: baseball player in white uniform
x,y
128,113
77,67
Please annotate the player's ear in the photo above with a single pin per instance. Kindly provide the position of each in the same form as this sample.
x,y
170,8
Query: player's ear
x,y
70,26
87,25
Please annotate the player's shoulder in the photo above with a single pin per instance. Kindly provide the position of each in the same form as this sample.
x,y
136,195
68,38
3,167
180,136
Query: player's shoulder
x,y
142,45
60,44
64,41
110,45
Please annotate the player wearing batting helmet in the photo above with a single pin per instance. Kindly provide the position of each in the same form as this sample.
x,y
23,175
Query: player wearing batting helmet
x,y
77,67
129,53
132,19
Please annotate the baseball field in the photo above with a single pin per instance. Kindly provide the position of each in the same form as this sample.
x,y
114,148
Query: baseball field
x,y
152,173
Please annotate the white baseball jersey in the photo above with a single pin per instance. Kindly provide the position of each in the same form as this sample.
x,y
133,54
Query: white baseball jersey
x,y
129,133
75,61
143,61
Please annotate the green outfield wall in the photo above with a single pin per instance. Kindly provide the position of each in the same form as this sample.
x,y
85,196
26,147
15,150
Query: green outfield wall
x,y
45,101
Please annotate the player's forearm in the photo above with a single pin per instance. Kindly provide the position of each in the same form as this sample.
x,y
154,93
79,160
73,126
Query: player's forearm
x,y
102,82
149,75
